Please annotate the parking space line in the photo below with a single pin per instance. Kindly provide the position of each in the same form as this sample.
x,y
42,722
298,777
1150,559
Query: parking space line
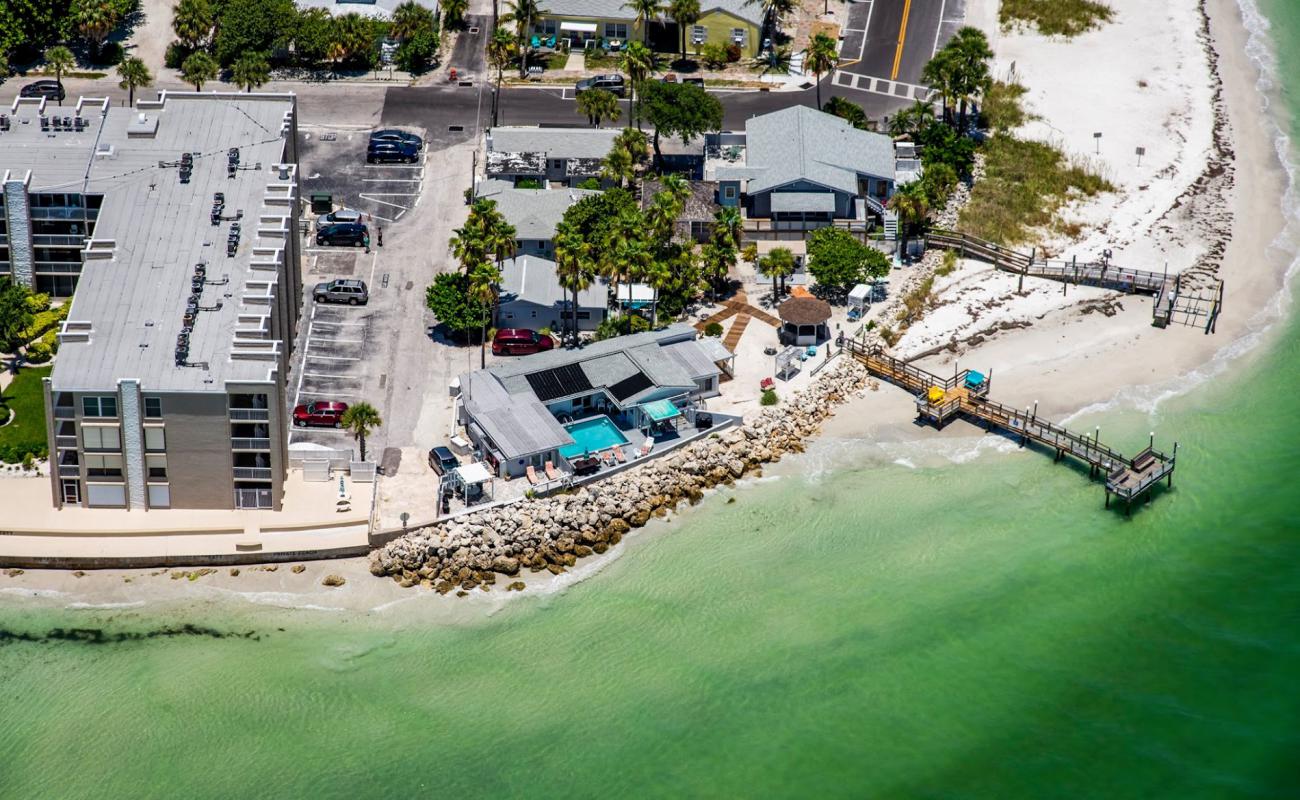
x,y
337,341
323,322
332,377
312,357
386,203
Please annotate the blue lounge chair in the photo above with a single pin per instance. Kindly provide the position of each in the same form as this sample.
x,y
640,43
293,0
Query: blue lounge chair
x,y
535,42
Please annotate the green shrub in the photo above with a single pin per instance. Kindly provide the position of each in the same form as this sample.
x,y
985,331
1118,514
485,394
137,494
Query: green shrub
x,y
713,329
29,462
590,183
39,353
621,325
1054,17
528,183
949,264
769,398
36,303
45,321
714,55
176,55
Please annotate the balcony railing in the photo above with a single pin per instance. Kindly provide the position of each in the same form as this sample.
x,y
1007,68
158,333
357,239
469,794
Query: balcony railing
x,y
65,412
56,240
250,443
69,471
65,441
253,473
250,413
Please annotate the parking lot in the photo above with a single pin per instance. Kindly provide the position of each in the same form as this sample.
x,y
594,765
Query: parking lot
x,y
334,163
336,341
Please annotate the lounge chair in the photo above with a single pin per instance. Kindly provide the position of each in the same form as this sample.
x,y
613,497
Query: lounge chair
x,y
551,472
532,475
618,454
646,448
536,42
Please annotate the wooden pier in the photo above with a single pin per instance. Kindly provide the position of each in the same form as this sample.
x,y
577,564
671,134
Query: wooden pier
x,y
965,394
1172,302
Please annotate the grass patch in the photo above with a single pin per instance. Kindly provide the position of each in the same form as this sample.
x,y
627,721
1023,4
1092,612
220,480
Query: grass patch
x,y
1055,17
1024,184
949,264
1002,107
26,434
915,302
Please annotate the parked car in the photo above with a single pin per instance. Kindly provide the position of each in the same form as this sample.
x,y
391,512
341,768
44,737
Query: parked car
x,y
520,342
47,88
394,135
442,460
342,290
389,152
326,413
343,233
610,83
341,215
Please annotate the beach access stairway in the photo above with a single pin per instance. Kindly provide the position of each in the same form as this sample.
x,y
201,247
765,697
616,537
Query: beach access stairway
x,y
1173,302
965,394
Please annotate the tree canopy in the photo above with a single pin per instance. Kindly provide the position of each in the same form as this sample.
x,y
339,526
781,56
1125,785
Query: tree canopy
x,y
253,26
838,261
448,298
679,109
15,315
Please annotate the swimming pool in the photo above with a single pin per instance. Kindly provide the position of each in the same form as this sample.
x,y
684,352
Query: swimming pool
x,y
591,435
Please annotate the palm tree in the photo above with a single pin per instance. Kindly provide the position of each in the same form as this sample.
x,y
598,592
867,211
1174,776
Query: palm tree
x,y
727,226
453,13
360,420
972,54
335,52
645,11
911,120
659,274
198,69
912,206
598,105
638,62
500,50
483,280
250,71
618,167
778,264
408,19
776,60
352,34
635,143
60,59
572,266
95,20
193,20
820,57
774,10
941,74
684,13
134,75
523,12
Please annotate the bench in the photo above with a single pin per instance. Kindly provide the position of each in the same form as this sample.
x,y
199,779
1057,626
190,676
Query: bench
x,y
1143,460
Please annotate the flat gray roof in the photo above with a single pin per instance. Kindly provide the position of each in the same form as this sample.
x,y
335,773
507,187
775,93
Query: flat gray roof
x,y
553,142
160,229
618,10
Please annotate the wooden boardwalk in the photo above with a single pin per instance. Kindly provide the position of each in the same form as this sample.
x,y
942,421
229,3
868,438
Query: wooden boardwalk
x,y
965,394
1171,302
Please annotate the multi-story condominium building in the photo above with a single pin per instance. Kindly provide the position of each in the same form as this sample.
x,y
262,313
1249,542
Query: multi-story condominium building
x,y
173,227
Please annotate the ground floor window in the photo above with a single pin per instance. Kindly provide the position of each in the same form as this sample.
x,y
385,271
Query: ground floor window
x,y
56,285
106,494
72,492
253,495
615,30
160,495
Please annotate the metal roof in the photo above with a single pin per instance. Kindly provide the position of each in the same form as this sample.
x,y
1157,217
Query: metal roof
x,y
159,229
553,142
531,279
801,143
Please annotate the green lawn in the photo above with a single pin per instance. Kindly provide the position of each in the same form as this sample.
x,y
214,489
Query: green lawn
x,y
26,434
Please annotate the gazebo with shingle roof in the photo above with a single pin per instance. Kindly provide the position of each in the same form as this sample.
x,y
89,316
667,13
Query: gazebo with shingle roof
x,y
803,320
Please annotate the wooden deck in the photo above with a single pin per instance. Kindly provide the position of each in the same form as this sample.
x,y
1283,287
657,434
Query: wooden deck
x,y
1172,303
939,399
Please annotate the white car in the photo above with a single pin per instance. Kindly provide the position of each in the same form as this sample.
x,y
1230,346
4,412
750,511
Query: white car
x,y
335,217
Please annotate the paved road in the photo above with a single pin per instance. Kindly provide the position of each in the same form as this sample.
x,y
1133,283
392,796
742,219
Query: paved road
x,y
888,42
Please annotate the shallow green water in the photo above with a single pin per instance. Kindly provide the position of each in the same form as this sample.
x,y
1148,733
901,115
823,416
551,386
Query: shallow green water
x,y
972,630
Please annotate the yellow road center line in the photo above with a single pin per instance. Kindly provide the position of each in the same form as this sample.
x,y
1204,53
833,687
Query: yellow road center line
x,y
902,37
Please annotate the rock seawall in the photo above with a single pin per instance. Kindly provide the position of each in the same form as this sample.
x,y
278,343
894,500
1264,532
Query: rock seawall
x,y
552,533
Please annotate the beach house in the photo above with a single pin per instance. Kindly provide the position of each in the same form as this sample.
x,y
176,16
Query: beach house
x,y
534,213
530,296
610,24
804,167
563,406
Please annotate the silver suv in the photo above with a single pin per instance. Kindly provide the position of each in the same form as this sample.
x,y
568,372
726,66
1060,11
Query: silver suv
x,y
354,293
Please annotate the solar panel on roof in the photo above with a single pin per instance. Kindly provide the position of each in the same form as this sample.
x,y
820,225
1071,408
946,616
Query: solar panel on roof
x,y
630,385
559,382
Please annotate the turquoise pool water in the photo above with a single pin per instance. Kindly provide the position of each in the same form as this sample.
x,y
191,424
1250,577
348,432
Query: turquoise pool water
x,y
590,435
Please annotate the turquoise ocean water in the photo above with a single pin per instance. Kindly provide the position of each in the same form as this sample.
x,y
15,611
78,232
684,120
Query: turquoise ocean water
x,y
977,630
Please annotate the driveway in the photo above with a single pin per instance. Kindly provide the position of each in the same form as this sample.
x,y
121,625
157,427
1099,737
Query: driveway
x,y
333,161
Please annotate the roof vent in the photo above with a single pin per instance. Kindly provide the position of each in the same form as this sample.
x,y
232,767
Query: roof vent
x,y
142,127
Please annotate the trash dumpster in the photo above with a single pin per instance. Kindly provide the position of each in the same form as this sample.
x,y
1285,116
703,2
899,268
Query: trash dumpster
x,y
322,203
